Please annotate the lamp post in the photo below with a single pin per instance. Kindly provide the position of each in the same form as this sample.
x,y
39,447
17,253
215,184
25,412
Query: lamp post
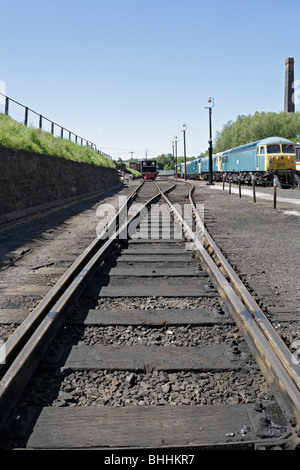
x,y
176,140
210,176
173,143
184,148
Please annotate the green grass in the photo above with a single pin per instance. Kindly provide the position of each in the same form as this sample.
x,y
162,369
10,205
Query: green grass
x,y
131,170
16,136
134,172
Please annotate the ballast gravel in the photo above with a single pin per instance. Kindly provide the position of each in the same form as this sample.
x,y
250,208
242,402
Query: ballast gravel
x,y
106,388
152,303
165,336
117,388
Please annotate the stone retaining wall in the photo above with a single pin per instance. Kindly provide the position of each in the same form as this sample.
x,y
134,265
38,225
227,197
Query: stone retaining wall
x,y
32,182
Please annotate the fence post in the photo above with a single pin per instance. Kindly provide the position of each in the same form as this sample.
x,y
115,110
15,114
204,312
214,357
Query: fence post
x,y
62,133
229,184
26,117
6,105
41,122
240,186
275,184
253,187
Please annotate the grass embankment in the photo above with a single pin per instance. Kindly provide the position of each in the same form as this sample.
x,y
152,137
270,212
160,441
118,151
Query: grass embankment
x,y
16,136
135,173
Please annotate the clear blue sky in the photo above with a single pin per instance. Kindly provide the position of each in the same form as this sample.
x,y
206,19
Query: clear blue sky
x,y
126,74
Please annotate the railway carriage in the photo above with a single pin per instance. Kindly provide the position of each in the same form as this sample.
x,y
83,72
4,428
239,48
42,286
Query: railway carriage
x,y
135,166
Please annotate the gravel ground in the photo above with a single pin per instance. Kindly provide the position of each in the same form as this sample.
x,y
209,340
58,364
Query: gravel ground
x,y
263,243
48,240
258,236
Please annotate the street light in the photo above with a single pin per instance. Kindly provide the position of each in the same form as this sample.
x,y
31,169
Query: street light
x,y
173,143
184,146
210,177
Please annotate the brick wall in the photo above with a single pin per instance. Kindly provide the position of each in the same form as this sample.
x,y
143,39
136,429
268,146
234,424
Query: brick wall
x,y
30,182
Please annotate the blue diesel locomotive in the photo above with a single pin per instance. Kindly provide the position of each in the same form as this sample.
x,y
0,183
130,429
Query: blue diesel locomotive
x,y
262,159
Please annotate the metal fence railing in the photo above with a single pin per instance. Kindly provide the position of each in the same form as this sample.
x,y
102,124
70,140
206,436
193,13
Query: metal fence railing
x,y
31,118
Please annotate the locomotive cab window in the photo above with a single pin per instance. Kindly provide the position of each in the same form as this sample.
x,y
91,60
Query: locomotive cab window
x,y
273,148
288,148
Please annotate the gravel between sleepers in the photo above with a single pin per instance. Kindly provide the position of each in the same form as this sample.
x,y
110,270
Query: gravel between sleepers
x,y
117,388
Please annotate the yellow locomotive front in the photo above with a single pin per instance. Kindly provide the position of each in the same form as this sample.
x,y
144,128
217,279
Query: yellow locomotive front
x,y
280,157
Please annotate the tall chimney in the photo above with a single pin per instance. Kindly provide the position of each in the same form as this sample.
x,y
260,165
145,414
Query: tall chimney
x,y
289,105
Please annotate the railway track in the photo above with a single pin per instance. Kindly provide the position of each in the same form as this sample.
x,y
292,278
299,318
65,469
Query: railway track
x,y
149,341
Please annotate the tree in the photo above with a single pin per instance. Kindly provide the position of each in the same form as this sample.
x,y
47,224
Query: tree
x,y
165,162
249,128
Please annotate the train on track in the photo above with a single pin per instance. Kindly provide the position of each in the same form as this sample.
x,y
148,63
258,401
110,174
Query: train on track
x,y
262,159
148,169
135,166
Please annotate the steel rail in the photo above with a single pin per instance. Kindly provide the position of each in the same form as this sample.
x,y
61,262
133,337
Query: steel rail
x,y
283,381
55,308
